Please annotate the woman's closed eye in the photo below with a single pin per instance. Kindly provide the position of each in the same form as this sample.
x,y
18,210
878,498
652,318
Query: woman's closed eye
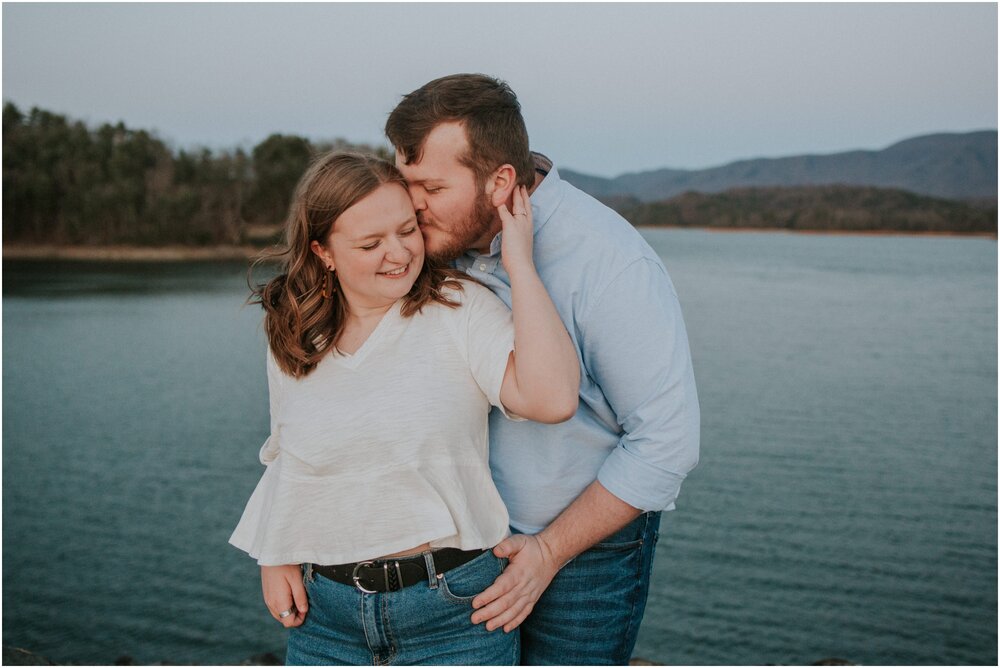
x,y
403,233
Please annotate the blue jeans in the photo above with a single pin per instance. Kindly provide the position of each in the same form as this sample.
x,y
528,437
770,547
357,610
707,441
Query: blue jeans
x,y
420,624
590,614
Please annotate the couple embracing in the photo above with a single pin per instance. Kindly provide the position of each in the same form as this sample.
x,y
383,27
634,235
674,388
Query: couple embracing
x,y
481,398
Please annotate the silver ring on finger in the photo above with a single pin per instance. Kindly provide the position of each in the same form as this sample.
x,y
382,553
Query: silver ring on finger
x,y
285,613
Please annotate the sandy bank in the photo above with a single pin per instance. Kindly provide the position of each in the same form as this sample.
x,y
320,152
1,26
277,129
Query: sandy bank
x,y
856,233
128,253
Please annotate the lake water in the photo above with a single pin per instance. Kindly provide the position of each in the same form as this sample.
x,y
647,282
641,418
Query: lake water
x,y
845,504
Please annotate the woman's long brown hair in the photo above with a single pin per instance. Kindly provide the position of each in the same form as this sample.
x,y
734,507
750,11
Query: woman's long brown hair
x,y
302,325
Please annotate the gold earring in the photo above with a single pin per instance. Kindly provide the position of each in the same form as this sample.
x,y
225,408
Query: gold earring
x,y
328,287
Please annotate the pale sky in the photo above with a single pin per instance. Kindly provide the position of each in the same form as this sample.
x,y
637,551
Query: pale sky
x,y
605,88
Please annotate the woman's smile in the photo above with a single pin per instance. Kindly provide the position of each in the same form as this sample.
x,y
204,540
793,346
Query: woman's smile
x,y
398,272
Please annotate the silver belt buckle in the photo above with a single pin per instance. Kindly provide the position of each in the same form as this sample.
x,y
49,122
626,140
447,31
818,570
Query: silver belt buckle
x,y
357,578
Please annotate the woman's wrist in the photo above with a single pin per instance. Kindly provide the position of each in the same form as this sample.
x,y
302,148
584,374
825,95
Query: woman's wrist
x,y
520,269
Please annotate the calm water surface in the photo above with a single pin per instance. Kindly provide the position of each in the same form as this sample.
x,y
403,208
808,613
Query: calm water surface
x,y
845,504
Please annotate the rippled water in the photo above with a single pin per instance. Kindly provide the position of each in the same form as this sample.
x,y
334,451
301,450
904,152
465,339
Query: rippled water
x,y
845,504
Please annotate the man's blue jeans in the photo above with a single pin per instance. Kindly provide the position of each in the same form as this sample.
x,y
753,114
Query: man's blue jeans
x,y
590,614
425,623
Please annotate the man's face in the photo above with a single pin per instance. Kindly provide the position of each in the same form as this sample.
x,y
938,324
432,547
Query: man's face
x,y
454,214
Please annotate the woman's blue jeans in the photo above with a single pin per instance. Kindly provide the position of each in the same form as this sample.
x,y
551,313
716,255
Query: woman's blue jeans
x,y
425,623
591,612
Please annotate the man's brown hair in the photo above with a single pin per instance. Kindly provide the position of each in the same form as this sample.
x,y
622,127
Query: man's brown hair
x,y
486,107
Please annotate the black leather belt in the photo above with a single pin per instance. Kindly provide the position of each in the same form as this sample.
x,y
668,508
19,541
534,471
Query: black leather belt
x,y
384,575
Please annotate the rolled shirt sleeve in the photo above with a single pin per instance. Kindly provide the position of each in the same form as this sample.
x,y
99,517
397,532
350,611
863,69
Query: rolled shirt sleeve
x,y
635,348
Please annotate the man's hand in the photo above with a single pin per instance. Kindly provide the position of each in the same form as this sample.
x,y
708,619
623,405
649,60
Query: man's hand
x,y
511,598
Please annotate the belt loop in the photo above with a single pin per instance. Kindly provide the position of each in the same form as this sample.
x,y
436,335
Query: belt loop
x,y
432,577
308,575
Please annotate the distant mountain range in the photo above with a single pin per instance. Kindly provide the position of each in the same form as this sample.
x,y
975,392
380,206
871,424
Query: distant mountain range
x,y
948,165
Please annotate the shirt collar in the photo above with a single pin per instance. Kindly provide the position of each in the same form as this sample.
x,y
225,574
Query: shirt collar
x,y
549,193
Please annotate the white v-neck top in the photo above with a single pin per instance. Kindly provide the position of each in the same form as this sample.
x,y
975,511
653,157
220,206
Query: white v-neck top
x,y
386,449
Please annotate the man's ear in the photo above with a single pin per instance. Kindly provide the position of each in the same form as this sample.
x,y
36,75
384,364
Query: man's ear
x,y
500,186
323,254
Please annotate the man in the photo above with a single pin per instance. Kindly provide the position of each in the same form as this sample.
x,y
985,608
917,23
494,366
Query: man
x,y
584,496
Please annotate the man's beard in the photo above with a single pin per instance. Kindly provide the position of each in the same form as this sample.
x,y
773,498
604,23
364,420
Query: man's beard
x,y
463,236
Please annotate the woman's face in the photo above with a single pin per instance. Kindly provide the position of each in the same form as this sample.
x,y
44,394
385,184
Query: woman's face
x,y
375,248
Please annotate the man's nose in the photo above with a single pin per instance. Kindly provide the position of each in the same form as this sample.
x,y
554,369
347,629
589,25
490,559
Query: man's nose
x,y
419,201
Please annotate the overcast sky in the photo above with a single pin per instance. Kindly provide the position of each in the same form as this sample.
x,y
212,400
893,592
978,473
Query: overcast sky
x,y
605,88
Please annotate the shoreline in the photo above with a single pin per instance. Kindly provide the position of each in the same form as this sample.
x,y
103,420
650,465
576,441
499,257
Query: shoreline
x,y
177,253
123,253
838,233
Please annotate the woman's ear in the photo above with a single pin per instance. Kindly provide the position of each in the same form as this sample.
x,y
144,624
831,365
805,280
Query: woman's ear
x,y
323,254
500,186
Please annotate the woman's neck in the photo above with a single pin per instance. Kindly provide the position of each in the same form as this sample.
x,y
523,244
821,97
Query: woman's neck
x,y
364,314
359,325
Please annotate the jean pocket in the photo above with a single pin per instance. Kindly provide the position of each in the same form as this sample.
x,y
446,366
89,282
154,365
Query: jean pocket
x,y
631,536
617,547
464,583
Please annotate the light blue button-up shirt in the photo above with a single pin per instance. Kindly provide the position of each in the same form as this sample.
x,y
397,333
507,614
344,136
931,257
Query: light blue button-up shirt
x,y
638,423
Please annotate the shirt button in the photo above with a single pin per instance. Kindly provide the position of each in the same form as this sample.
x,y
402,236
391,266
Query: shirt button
x,y
482,267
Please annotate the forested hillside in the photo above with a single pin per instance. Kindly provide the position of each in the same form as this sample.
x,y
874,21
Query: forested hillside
x,y
828,208
65,183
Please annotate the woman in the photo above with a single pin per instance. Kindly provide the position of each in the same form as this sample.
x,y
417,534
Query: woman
x,y
374,520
